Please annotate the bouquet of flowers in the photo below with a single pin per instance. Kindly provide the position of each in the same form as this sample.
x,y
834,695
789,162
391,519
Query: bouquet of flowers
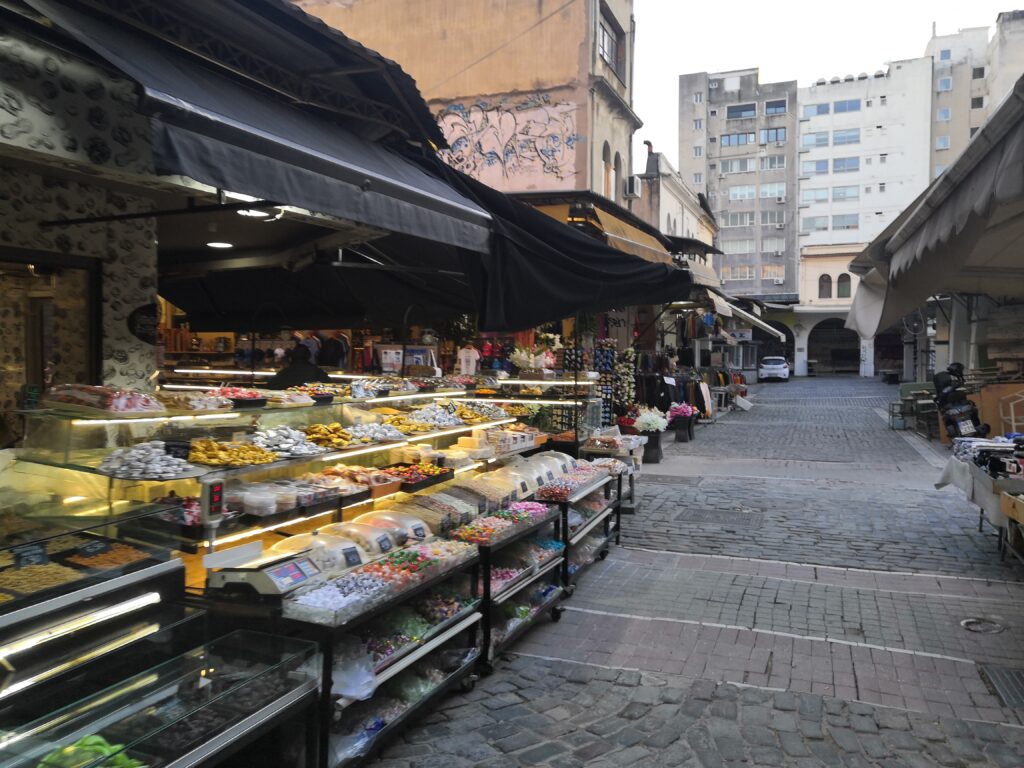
x,y
628,419
650,420
680,411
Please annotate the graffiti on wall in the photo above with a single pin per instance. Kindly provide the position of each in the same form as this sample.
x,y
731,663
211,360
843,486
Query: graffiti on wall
x,y
522,145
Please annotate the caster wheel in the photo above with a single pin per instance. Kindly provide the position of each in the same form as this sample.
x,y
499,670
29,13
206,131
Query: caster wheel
x,y
556,614
602,554
468,683
569,590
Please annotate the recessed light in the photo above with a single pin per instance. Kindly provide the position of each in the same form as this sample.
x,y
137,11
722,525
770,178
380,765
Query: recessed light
x,y
219,245
253,212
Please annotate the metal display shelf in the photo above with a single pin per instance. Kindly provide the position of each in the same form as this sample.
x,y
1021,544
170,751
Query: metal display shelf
x,y
515,634
605,516
490,601
592,523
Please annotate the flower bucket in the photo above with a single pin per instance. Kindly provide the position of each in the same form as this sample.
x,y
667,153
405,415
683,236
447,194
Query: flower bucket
x,y
652,451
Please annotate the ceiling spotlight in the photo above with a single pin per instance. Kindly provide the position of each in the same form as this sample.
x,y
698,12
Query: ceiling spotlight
x,y
219,245
253,212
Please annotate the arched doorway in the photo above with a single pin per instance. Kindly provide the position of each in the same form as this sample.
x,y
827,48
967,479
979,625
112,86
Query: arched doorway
x,y
834,347
770,344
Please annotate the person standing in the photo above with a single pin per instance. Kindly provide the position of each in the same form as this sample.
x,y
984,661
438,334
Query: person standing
x,y
334,351
298,371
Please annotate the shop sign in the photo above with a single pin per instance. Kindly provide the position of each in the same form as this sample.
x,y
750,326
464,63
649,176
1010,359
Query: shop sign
x,y
742,334
143,322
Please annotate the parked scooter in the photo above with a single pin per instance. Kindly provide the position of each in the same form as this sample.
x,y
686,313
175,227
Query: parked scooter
x,y
959,414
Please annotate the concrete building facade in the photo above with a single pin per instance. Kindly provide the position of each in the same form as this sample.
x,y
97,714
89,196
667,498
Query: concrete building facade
x,y
668,203
737,144
532,95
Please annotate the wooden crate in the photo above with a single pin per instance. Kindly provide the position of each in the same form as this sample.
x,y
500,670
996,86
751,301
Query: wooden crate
x,y
1012,506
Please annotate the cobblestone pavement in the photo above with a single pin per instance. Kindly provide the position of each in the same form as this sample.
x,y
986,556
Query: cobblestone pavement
x,y
789,594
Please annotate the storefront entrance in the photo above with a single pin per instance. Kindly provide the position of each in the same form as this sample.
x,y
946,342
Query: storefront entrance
x,y
835,348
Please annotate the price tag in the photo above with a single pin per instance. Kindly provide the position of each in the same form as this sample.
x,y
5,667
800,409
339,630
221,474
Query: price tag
x,y
30,554
540,481
384,543
514,496
523,486
551,475
465,517
670,381
93,547
565,469
419,532
351,555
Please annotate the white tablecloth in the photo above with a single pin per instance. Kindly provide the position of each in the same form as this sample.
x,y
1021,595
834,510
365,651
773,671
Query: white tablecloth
x,y
979,487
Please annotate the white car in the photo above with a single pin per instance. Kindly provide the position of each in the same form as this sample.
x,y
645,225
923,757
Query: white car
x,y
773,368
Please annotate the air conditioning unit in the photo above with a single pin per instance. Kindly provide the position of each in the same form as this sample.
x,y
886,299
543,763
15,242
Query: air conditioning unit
x,y
777,254
780,143
780,199
779,281
780,226
632,187
721,176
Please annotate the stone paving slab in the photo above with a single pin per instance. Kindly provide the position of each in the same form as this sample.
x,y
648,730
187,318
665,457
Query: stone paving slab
x,y
624,583
570,715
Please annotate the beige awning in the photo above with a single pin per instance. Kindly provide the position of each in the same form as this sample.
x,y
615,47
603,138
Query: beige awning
x,y
701,273
756,322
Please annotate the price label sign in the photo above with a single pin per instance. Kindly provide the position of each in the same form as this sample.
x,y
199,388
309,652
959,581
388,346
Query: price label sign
x,y
419,532
565,469
465,517
523,486
551,475
30,554
384,543
540,480
93,547
351,555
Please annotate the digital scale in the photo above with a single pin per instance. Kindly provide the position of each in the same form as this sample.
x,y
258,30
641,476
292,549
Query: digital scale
x,y
246,569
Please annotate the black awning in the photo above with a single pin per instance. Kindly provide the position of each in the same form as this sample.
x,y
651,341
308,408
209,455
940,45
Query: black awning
x,y
690,245
213,128
540,270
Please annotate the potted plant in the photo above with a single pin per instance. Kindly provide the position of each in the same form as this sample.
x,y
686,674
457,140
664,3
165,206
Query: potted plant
x,y
680,419
627,421
651,423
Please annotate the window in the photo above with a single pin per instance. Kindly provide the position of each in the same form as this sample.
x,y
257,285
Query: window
x,y
737,139
848,136
843,286
943,114
867,189
742,193
845,164
773,244
881,100
740,272
698,178
825,287
849,105
698,98
977,102
814,224
738,219
776,189
698,151
775,271
978,73
814,196
777,107
846,221
713,112
772,134
712,140
882,158
610,45
867,103
818,139
945,54
698,124
739,165
773,162
773,217
739,111
845,193
813,167
606,162
939,170
945,84
881,187
737,247
942,142
813,110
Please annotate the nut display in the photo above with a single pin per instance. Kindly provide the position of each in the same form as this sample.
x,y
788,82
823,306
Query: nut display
x,y
329,435
374,433
103,398
193,401
216,454
285,441
116,556
36,578
235,393
146,460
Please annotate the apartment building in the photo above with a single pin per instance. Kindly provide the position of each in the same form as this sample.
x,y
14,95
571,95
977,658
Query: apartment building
x,y
972,73
737,144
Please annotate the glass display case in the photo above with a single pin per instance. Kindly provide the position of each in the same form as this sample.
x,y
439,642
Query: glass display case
x,y
185,711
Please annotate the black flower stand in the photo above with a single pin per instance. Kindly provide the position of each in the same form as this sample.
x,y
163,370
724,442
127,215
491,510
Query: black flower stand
x,y
652,451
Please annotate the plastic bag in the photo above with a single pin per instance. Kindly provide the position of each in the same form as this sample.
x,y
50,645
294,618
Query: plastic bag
x,y
353,675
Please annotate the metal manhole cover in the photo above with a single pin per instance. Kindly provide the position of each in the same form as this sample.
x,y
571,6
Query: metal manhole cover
x,y
1008,682
740,518
982,626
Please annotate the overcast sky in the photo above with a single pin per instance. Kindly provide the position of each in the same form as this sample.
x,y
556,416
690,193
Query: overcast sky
x,y
787,39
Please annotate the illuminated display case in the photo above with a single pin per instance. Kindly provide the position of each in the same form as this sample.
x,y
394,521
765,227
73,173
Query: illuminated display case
x,y
188,710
